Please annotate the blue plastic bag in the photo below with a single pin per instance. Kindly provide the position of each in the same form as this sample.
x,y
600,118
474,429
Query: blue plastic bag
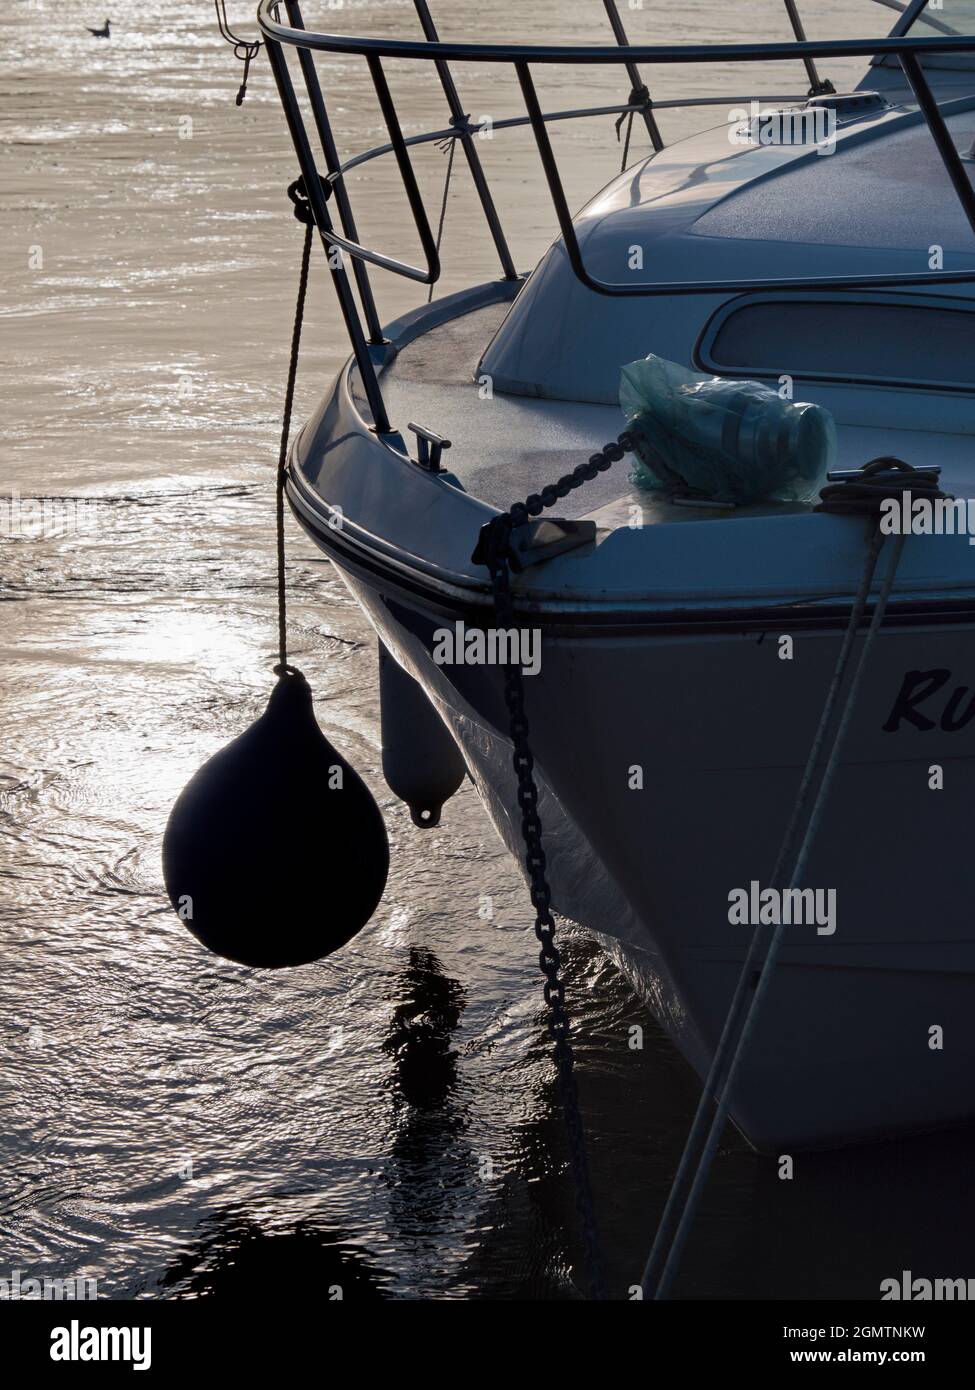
x,y
728,441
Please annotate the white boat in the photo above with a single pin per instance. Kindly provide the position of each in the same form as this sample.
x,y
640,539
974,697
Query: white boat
x,y
670,722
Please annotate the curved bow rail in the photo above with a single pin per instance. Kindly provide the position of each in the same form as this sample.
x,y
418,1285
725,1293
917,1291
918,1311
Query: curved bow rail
x,y
365,329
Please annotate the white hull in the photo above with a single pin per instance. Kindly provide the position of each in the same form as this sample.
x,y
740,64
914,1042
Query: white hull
x,y
721,727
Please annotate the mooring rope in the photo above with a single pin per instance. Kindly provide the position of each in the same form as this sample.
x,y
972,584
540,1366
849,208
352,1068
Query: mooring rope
x,y
718,1086
860,494
303,213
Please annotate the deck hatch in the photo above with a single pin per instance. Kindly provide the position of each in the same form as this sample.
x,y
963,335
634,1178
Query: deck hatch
x,y
917,341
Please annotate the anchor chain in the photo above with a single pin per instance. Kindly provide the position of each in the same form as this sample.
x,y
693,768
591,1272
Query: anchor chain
x,y
499,531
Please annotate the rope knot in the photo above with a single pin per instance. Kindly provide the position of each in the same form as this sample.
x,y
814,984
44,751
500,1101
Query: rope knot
x,y
299,198
462,125
641,99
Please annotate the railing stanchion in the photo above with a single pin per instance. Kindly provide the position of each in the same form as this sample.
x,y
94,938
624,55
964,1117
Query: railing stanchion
x,y
414,197
931,112
633,72
817,86
316,199
552,175
467,140
334,166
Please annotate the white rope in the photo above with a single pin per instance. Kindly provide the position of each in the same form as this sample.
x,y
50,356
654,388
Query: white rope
x,y
657,1281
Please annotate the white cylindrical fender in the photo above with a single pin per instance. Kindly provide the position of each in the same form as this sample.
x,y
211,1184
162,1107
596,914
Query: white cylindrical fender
x,y
421,762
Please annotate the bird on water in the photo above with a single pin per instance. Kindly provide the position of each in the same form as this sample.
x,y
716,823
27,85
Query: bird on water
x,y
104,33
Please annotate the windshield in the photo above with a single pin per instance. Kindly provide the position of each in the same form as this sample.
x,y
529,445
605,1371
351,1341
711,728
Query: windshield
x,y
948,17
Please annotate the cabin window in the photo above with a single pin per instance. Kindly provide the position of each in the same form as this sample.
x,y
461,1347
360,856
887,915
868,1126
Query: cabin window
x,y
891,340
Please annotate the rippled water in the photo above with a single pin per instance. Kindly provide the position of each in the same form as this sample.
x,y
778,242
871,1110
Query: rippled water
x,y
383,1120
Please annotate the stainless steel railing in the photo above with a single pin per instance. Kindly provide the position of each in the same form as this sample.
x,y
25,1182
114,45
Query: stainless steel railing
x,y
365,329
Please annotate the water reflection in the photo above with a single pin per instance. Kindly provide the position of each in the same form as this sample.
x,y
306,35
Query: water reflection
x,y
420,1041
431,1167
239,1255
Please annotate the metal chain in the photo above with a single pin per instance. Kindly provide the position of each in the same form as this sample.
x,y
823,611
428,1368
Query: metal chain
x,y
549,959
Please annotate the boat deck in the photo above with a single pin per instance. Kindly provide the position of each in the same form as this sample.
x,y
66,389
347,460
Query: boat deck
x,y
505,446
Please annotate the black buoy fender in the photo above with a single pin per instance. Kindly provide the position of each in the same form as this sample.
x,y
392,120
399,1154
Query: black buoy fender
x,y
275,853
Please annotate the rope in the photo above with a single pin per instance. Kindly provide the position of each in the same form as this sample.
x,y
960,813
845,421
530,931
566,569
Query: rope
x,y
626,142
494,548
639,97
885,477
859,494
303,213
451,140
244,49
